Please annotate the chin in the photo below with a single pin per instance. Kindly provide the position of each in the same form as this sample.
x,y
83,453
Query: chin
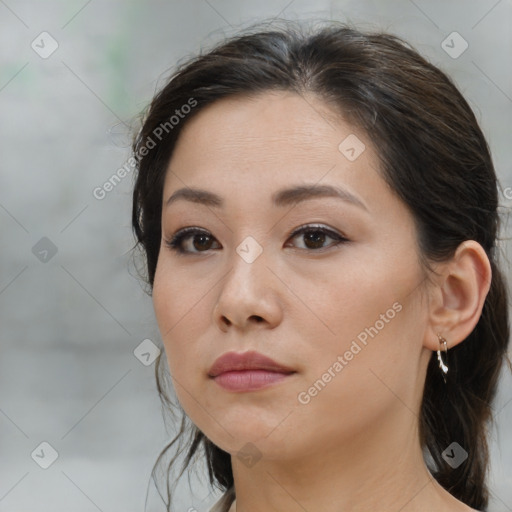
x,y
263,436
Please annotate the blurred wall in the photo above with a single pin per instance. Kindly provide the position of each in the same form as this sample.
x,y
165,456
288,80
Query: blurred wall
x,y
76,373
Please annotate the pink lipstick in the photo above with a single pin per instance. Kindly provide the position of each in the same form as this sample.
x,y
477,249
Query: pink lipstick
x,y
247,371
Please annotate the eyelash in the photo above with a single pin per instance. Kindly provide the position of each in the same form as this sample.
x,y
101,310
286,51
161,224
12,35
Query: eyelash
x,y
177,239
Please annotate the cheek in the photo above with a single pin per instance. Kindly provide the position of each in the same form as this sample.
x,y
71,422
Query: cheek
x,y
338,303
367,313
180,310
177,297
164,301
176,302
369,366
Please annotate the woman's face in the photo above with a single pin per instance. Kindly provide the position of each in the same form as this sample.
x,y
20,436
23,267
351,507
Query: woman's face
x,y
346,316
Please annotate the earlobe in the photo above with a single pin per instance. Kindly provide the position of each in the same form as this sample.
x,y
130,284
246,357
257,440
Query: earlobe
x,y
460,295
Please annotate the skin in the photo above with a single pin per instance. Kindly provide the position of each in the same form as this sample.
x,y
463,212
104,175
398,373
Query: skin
x,y
354,446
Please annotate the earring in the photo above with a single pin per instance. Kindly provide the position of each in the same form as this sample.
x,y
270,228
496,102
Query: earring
x,y
442,365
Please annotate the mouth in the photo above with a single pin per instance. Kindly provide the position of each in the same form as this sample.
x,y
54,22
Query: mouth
x,y
249,380
248,371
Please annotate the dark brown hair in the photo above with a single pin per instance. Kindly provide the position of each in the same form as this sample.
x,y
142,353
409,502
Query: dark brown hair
x,y
432,153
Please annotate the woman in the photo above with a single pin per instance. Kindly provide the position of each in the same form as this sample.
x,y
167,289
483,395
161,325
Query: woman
x,y
318,215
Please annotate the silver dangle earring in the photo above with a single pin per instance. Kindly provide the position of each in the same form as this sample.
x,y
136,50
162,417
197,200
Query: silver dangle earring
x,y
442,365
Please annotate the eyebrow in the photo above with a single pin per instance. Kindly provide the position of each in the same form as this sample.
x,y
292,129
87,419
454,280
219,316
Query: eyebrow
x,y
284,197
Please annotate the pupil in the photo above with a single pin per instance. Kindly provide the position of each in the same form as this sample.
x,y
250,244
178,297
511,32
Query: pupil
x,y
203,238
317,240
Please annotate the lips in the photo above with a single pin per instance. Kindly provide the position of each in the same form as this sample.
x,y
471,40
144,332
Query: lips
x,y
251,360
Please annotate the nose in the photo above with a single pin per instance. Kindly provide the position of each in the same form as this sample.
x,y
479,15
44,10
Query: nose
x,y
249,296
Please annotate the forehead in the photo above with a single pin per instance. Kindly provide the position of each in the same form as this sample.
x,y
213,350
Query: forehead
x,y
273,137
278,118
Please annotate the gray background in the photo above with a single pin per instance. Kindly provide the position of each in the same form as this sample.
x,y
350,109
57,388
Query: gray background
x,y
69,326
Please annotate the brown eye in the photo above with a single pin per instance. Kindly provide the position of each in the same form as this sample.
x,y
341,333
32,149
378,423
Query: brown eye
x,y
195,241
315,236
201,242
192,238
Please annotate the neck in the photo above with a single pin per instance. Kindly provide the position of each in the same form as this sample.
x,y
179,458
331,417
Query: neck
x,y
378,469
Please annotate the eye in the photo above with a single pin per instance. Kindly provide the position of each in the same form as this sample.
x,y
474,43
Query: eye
x,y
315,236
201,240
197,238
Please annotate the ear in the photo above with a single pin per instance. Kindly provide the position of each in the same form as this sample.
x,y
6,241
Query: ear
x,y
458,296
